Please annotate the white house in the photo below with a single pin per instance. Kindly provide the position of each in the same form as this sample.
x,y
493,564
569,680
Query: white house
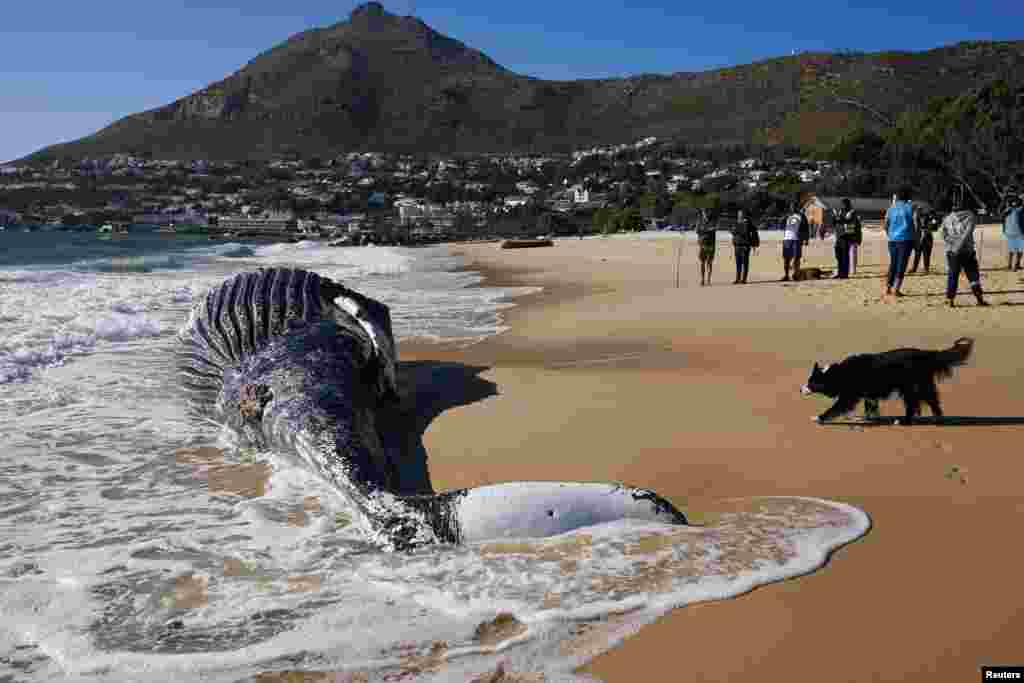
x,y
516,200
409,210
580,194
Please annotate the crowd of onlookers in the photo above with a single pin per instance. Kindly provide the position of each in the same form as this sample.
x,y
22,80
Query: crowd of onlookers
x,y
910,231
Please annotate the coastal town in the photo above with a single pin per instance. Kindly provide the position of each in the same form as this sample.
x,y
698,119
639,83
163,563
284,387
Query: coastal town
x,y
364,197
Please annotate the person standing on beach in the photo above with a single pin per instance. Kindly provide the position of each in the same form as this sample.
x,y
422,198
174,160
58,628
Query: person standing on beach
x,y
958,234
706,242
847,229
856,234
900,229
794,236
1013,231
927,225
744,238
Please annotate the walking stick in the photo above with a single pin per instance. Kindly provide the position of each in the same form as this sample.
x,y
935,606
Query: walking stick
x,y
679,257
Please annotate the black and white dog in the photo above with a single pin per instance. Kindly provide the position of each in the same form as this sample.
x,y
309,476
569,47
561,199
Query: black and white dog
x,y
911,373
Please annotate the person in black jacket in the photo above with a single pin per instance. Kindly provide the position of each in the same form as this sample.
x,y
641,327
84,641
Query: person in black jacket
x,y
847,228
744,238
925,241
706,237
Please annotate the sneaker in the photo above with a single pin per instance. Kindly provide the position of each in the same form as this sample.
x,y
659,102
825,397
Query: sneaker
x,y
784,279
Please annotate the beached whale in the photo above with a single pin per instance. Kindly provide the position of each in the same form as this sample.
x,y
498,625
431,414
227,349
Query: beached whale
x,y
298,363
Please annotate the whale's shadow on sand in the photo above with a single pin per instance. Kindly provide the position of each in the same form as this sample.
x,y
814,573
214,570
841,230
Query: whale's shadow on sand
x,y
428,388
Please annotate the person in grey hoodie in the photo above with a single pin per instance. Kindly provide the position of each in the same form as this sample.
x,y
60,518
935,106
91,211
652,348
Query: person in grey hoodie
x,y
958,234
1013,231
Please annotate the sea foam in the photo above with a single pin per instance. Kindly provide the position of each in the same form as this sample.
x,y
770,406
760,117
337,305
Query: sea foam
x,y
186,606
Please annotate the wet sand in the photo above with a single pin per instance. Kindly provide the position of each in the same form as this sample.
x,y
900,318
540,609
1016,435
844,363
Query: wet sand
x,y
612,373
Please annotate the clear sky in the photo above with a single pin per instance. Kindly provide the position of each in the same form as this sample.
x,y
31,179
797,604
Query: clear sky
x,y
69,68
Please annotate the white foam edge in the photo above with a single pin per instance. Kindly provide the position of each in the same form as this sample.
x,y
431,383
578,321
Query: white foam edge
x,y
814,555
814,550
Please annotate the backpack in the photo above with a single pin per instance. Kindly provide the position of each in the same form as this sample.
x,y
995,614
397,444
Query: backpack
x,y
849,222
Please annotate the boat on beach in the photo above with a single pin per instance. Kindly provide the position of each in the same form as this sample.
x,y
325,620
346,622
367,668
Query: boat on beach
x,y
526,243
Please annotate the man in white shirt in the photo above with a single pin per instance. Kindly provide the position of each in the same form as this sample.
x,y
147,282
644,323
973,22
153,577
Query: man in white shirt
x,y
793,238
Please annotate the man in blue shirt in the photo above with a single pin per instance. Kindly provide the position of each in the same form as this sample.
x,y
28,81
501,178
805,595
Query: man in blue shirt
x,y
901,229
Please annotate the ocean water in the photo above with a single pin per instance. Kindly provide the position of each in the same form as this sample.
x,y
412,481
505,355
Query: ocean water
x,y
136,544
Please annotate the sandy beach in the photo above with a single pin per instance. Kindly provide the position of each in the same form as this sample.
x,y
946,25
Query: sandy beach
x,y
611,372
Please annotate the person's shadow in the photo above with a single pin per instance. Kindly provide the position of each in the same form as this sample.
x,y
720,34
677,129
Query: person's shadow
x,y
427,389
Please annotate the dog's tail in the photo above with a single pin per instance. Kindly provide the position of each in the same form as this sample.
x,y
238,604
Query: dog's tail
x,y
955,355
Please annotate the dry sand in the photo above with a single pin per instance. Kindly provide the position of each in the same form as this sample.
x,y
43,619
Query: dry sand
x,y
612,373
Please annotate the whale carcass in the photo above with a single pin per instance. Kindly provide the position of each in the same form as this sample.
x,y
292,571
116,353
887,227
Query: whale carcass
x,y
298,363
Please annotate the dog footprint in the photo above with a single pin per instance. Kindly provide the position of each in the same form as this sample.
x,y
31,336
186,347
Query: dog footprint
x,y
957,473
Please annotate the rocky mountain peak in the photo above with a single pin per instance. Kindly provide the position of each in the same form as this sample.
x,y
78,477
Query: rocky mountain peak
x,y
369,12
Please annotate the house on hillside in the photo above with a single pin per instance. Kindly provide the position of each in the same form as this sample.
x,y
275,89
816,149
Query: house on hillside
x,y
516,200
581,195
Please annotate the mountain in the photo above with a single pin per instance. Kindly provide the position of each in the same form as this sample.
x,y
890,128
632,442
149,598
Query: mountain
x,y
384,82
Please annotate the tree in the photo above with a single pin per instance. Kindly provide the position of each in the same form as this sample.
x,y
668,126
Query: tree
x,y
654,204
604,220
977,138
629,220
859,148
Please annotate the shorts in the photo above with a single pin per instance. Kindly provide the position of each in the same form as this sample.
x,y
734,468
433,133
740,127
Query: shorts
x,y
792,248
1015,244
707,252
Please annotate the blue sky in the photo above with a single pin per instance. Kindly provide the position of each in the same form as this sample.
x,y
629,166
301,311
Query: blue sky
x,y
69,68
